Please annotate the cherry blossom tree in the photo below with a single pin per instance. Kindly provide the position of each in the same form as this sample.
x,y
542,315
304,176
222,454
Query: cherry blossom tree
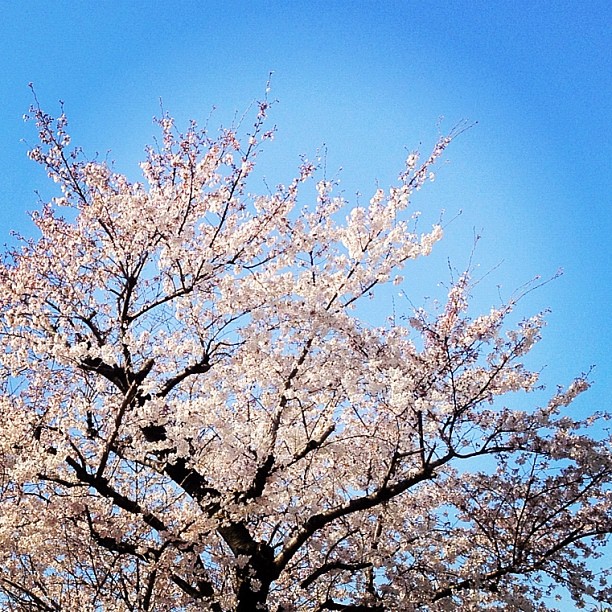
x,y
195,417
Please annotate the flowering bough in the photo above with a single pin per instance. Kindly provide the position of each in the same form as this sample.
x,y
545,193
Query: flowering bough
x,y
193,416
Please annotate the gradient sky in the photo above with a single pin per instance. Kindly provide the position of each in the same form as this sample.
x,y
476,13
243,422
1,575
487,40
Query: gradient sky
x,y
368,81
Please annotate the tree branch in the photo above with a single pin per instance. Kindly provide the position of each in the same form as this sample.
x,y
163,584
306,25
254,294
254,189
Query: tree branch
x,y
331,566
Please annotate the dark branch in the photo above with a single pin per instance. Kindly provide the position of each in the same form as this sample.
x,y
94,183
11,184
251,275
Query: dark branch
x,y
329,567
330,604
100,484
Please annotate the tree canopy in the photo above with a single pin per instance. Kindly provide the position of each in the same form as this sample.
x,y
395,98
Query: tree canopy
x,y
195,417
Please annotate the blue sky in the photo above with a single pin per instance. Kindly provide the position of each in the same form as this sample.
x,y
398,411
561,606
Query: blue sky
x,y
369,81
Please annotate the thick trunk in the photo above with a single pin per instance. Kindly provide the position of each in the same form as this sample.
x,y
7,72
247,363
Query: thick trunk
x,y
254,581
251,601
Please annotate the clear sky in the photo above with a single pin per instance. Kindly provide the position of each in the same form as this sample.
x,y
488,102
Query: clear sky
x,y
369,80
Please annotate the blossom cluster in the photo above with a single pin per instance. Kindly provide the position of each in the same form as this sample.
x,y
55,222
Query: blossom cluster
x,y
195,417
